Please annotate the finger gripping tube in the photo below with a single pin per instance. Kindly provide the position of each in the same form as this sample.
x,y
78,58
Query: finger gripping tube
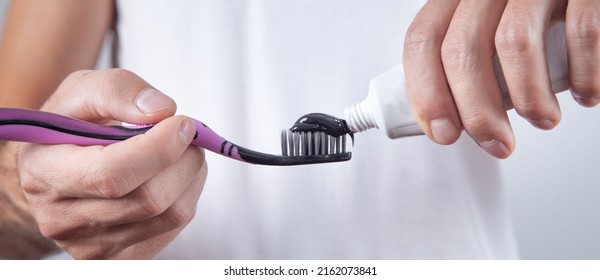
x,y
387,106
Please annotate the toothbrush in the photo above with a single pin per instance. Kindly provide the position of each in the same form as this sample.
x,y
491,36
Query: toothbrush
x,y
41,127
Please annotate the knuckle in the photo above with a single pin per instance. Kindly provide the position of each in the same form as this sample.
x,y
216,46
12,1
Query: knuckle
x,y
584,30
109,185
475,123
88,251
423,36
118,74
532,111
512,39
49,229
535,106
52,229
76,76
114,80
29,184
478,127
528,110
180,216
150,203
67,88
455,52
34,187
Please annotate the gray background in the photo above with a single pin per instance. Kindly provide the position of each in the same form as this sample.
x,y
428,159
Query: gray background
x,y
552,184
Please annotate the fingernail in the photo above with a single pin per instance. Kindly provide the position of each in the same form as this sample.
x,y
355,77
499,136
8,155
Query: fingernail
x,y
151,100
495,148
586,101
444,131
545,124
187,130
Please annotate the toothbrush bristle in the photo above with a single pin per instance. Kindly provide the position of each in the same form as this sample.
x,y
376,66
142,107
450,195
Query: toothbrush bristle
x,y
308,143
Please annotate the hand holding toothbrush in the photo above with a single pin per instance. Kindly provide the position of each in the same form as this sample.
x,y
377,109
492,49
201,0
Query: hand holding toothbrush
x,y
126,200
450,74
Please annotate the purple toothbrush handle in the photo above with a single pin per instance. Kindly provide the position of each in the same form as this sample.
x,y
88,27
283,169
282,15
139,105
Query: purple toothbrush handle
x,y
208,139
40,135
47,128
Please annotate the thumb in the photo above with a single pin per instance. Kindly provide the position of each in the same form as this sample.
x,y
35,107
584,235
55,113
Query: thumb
x,y
107,95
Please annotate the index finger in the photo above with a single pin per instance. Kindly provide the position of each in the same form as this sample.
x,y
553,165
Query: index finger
x,y
428,91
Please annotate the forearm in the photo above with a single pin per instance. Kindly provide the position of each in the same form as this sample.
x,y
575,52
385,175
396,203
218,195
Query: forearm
x,y
19,234
45,41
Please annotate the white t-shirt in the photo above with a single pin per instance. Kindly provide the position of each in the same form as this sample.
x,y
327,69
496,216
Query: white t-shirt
x,y
250,68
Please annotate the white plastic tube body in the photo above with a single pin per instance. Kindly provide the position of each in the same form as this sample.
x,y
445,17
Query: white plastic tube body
x,y
387,106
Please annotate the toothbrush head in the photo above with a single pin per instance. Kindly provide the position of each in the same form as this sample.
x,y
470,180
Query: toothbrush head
x,y
211,141
255,157
316,138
